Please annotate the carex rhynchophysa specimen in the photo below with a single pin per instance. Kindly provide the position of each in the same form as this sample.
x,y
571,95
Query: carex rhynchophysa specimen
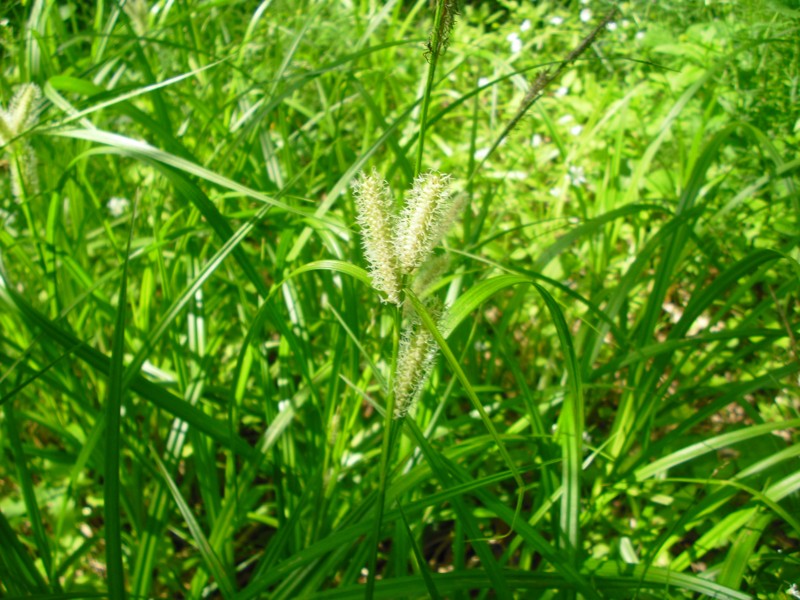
x,y
396,246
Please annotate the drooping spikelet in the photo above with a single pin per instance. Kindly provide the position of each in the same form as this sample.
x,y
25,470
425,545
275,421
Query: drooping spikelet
x,y
24,172
375,210
423,220
415,361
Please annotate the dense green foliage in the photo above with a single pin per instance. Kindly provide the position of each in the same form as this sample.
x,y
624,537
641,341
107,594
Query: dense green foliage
x,y
195,369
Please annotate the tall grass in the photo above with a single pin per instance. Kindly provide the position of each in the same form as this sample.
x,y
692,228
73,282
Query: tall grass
x,y
198,374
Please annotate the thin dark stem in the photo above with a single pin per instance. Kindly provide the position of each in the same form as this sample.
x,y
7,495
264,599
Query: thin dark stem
x,y
544,79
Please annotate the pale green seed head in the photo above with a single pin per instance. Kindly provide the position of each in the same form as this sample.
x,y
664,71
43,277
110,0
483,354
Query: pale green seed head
x,y
414,364
14,122
22,109
429,273
416,357
6,133
423,220
375,216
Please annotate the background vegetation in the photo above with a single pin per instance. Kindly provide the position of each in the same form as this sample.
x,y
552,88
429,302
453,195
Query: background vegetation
x,y
194,365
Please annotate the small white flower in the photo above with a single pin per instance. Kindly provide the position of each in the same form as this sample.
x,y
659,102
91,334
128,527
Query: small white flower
x,y
625,23
537,140
576,176
565,119
526,25
516,42
794,591
481,153
612,26
674,311
283,405
640,35
701,324
586,15
118,206
555,192
4,22
584,1
483,81
482,346
556,21
576,130
562,91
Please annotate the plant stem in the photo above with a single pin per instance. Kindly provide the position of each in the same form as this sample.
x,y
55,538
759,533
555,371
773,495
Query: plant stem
x,y
435,50
386,449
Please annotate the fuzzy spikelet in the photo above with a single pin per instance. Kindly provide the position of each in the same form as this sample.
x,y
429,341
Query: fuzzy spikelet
x,y
414,364
24,172
374,204
20,116
423,220
6,133
429,273
22,110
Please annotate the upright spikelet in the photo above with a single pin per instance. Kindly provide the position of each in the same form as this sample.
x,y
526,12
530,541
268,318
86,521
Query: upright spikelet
x,y
374,204
22,109
415,360
423,220
20,116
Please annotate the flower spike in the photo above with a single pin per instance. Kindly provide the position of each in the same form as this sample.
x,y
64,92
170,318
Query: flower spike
x,y
375,207
423,221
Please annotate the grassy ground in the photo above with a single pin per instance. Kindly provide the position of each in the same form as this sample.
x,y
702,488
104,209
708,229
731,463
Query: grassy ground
x,y
198,377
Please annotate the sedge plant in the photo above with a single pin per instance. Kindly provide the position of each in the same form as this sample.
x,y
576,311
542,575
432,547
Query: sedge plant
x,y
194,414
396,247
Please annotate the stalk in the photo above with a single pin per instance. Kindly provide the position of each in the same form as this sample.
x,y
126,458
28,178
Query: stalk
x,y
386,449
440,37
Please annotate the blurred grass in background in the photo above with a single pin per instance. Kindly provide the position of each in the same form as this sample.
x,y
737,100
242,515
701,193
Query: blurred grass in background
x,y
194,363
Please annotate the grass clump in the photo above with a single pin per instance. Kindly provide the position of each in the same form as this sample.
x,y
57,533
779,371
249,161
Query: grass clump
x,y
218,325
